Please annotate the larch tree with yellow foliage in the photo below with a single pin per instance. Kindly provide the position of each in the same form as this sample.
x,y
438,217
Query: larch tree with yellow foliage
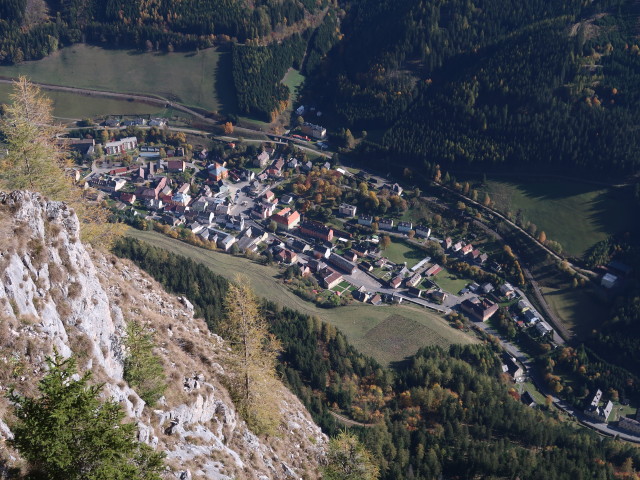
x,y
36,161
253,381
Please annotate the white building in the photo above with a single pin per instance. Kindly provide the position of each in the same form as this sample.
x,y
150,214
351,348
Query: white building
x,y
121,146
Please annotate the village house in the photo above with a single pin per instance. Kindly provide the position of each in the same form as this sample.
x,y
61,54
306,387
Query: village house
x,y
486,288
433,270
317,230
439,295
423,231
286,256
121,146
457,247
544,329
365,266
365,220
157,122
447,243
314,131
414,281
342,263
176,166
482,310
468,248
393,189
263,210
269,196
396,281
222,209
347,210
226,242
286,219
608,280
376,300
405,227
108,184
286,199
595,411
507,291
129,198
475,254
234,222
331,279
482,259
385,224
217,172
511,368
292,163
262,160
361,294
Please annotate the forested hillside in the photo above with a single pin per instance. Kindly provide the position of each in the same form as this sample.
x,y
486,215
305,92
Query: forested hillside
x,y
444,414
157,25
491,84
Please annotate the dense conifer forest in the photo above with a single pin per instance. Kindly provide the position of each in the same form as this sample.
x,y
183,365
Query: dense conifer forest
x,y
441,414
161,25
498,84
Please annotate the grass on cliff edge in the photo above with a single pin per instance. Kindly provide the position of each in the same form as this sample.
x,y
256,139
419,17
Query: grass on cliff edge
x,y
387,334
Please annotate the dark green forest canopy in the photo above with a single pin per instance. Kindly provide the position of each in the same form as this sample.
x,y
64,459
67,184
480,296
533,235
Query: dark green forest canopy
x,y
163,24
492,84
442,414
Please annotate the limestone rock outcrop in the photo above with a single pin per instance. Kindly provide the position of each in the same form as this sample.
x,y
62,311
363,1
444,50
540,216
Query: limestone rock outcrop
x,y
57,293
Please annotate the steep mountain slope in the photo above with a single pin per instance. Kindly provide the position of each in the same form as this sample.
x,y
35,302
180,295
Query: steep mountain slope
x,y
57,293
491,84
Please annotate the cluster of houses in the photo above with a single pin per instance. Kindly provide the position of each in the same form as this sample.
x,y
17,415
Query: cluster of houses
x,y
465,251
114,122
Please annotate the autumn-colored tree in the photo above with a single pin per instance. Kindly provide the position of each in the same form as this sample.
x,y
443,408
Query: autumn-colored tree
x,y
487,200
253,360
228,128
542,237
36,162
385,241
465,188
347,459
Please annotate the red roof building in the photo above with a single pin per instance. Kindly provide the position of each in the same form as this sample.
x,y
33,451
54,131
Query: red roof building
x,y
317,230
286,219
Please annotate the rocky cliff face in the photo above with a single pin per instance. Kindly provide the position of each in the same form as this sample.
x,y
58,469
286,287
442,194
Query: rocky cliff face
x,y
57,293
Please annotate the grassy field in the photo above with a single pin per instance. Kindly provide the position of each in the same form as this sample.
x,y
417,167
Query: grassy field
x,y
69,106
399,252
576,215
367,327
189,78
449,282
578,308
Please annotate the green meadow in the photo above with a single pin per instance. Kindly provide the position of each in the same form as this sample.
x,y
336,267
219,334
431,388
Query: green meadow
x,y
577,215
193,78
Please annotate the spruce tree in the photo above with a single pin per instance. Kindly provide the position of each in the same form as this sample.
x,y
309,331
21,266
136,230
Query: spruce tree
x,y
68,433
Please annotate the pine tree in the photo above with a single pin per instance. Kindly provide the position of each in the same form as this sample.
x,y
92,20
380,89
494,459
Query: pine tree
x,y
142,369
68,433
253,383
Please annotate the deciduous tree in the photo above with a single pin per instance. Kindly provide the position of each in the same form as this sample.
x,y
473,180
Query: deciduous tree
x,y
254,354
347,459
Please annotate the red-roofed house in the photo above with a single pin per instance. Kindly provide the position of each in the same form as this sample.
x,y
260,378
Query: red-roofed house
x,y
467,249
286,219
433,270
176,165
